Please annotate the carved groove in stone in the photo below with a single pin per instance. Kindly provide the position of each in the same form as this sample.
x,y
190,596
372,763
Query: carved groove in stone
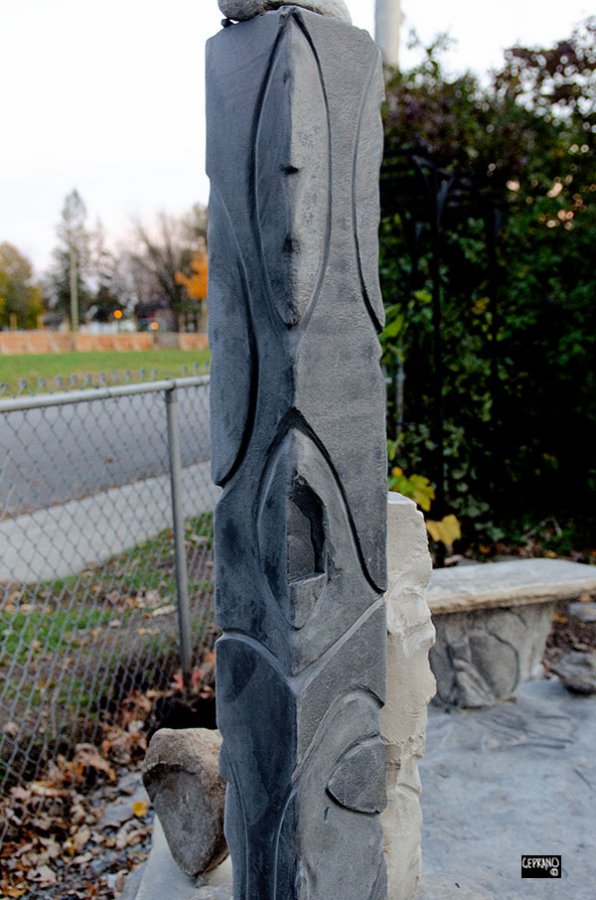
x,y
366,207
295,425
350,716
292,174
233,347
295,568
348,784
302,890
315,681
260,776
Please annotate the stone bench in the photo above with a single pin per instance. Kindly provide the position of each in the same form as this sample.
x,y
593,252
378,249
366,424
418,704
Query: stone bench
x,y
492,622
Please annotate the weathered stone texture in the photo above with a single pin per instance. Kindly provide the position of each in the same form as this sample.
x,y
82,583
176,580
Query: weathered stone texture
x,y
577,671
482,657
506,584
410,686
181,775
160,877
492,623
298,408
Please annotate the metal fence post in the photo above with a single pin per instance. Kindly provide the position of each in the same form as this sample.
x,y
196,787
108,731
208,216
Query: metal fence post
x,y
179,547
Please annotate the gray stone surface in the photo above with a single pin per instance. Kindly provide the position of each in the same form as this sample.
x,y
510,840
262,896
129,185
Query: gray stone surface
x,y
583,612
241,10
492,623
514,779
160,876
577,671
212,893
298,409
454,888
515,583
181,775
482,656
497,783
410,685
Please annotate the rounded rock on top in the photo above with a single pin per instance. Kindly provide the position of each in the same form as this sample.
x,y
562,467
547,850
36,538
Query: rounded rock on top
x,y
240,10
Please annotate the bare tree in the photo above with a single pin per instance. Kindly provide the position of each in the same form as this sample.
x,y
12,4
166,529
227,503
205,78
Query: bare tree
x,y
159,252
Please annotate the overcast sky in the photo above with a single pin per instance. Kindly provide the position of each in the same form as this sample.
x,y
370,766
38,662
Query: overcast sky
x,y
109,97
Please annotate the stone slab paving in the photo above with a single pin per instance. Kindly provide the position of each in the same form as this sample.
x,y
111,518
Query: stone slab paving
x,y
517,778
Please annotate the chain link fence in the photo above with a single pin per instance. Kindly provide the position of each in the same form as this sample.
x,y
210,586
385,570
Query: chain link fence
x,y
106,563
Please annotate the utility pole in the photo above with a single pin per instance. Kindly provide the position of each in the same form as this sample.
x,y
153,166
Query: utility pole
x,y
387,29
74,291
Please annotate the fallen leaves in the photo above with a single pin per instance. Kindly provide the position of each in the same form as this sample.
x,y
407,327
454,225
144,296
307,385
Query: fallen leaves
x,y
202,682
163,611
140,808
88,766
81,837
77,831
14,891
43,876
54,834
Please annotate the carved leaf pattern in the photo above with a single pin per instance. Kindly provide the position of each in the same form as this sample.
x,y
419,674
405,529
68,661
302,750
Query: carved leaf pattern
x,y
292,175
358,780
231,342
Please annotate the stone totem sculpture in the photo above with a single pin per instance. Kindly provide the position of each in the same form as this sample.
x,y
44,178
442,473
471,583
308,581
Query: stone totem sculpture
x,y
298,443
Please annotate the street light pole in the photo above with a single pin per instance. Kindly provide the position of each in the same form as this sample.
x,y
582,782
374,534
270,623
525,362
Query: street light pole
x,y
74,291
387,29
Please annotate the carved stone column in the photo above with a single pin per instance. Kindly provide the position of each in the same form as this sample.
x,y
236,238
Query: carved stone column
x,y
298,442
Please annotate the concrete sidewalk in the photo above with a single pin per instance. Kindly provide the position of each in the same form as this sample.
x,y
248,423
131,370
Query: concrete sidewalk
x,y
64,539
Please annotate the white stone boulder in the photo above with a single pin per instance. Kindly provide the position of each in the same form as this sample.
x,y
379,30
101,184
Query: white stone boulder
x,y
410,687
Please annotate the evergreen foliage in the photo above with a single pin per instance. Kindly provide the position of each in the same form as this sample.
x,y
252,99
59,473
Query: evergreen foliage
x,y
73,249
494,185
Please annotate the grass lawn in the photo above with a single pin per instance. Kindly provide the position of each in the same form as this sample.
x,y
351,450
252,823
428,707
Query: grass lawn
x,y
32,366
49,617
